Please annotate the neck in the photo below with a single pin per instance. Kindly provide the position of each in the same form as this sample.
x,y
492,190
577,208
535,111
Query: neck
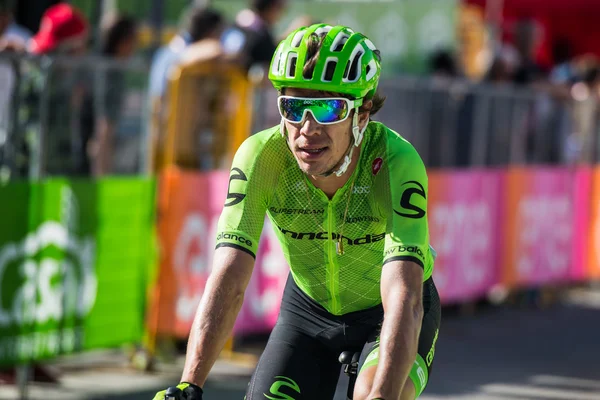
x,y
332,183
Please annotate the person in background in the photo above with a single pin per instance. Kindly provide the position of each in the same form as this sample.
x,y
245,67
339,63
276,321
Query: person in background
x,y
526,42
63,33
63,30
13,38
564,70
206,29
12,35
118,43
192,28
251,39
201,27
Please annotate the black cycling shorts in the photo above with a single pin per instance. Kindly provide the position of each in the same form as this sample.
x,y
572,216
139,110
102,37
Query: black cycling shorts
x,y
300,360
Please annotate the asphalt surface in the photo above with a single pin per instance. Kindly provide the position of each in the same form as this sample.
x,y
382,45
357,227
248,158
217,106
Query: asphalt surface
x,y
494,354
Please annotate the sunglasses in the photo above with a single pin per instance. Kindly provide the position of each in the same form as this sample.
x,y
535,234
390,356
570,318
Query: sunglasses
x,y
326,111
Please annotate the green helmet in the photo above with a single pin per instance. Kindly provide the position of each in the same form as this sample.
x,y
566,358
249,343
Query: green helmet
x,y
347,62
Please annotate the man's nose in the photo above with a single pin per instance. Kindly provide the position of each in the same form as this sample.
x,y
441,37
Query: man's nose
x,y
310,126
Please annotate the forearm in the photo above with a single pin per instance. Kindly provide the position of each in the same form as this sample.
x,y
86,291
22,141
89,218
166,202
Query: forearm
x,y
102,148
402,298
398,345
213,323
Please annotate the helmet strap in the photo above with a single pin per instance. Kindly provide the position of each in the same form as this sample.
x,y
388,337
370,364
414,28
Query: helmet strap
x,y
282,127
357,134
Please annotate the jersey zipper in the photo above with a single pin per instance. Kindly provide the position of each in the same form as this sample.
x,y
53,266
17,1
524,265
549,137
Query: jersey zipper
x,y
333,268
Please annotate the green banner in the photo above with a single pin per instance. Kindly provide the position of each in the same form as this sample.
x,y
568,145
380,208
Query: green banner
x,y
406,31
74,261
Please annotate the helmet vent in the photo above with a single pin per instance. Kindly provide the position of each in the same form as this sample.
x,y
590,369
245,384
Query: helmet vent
x,y
291,65
371,70
352,72
370,44
276,63
297,39
323,30
329,69
339,42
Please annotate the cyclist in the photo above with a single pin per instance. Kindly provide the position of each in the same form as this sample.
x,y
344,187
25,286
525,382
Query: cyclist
x,y
347,198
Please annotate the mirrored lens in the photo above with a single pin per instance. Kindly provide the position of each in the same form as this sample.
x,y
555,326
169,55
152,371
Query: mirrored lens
x,y
324,110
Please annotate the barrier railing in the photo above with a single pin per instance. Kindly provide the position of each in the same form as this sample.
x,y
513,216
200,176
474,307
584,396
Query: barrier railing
x,y
460,124
453,123
76,253
72,117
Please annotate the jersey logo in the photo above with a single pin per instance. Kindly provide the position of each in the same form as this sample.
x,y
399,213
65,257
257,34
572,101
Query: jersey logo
x,y
361,190
414,187
377,164
235,198
282,382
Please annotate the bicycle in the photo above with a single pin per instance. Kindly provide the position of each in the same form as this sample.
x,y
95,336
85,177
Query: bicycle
x,y
348,359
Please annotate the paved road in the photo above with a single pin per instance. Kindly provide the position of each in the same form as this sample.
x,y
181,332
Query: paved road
x,y
499,354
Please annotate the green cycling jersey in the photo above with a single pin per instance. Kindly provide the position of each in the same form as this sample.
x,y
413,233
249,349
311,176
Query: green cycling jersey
x,y
379,215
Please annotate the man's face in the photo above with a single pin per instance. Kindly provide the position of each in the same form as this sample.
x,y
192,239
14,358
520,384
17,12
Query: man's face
x,y
318,149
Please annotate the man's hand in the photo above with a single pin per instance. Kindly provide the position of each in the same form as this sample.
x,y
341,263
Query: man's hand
x,y
183,391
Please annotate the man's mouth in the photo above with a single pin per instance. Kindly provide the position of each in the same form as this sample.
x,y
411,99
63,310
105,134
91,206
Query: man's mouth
x,y
313,149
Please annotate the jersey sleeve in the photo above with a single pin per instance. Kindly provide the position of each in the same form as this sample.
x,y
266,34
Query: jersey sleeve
x,y
242,218
407,232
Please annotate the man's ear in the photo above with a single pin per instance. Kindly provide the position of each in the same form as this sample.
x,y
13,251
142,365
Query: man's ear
x,y
363,117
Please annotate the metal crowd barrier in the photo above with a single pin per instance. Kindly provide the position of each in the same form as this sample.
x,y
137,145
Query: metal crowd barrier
x,y
457,124
460,124
52,108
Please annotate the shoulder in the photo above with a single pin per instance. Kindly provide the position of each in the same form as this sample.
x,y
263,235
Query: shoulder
x,y
265,146
395,148
262,140
400,152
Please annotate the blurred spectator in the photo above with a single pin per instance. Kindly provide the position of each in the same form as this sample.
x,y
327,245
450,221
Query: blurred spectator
x,y
443,72
58,90
564,71
63,30
196,24
207,29
582,144
251,38
526,41
12,35
118,42
442,65
202,28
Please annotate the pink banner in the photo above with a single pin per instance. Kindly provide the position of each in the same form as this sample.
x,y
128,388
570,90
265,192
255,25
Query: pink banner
x,y
261,304
190,209
582,192
464,226
539,226
521,227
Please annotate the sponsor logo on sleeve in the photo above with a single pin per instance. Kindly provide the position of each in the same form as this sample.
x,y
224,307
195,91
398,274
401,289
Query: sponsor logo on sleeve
x,y
235,238
235,198
405,249
409,209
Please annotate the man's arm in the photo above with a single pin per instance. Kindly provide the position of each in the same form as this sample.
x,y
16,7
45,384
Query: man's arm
x,y
402,298
217,312
101,147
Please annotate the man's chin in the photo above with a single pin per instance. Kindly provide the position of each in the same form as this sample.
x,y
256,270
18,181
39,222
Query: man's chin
x,y
313,170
